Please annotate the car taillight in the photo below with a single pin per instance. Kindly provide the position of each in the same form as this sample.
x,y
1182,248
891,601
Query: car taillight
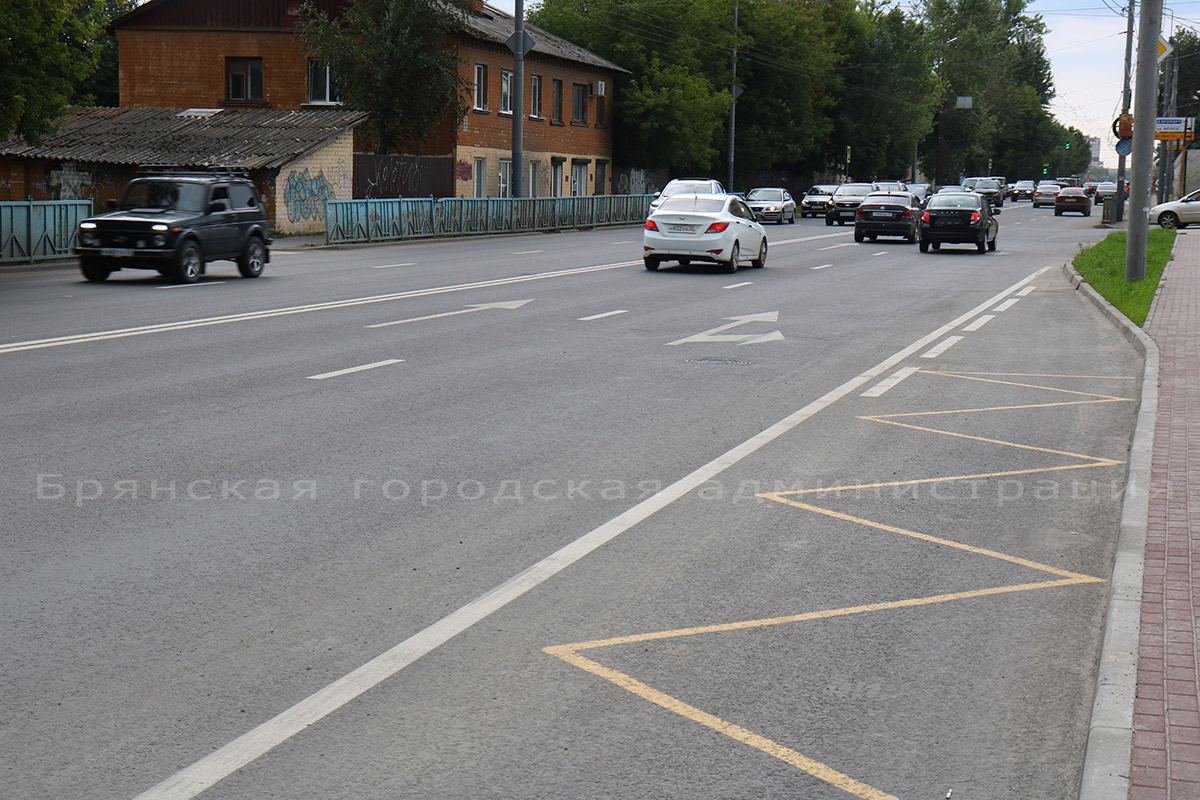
x,y
858,212
976,217
717,227
650,226
906,214
924,216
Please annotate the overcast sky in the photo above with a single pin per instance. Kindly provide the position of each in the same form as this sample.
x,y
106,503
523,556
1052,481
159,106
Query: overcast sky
x,y
1086,47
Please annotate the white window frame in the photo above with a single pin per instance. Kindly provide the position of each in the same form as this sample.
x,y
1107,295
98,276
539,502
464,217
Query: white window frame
x,y
480,178
506,91
505,175
316,67
480,93
579,179
535,96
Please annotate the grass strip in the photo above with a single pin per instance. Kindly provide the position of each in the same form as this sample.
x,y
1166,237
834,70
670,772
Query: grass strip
x,y
1103,266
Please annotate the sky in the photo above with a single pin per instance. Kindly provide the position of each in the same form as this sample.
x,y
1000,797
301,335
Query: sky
x,y
1085,43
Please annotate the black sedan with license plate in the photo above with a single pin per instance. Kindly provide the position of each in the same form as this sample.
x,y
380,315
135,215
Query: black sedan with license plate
x,y
887,214
961,218
1072,199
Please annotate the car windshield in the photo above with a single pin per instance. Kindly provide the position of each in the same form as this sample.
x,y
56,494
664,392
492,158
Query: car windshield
x,y
704,205
1024,184
954,201
765,194
162,195
987,185
822,190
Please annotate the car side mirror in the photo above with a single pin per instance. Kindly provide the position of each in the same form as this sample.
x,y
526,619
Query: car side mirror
x,y
656,194
111,203
996,211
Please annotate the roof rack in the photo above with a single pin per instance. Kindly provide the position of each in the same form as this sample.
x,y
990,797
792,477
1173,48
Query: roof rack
x,y
180,169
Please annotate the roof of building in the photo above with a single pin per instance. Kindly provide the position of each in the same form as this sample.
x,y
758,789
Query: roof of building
x,y
258,139
495,25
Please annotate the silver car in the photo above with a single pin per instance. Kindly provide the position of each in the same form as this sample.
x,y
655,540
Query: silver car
x,y
775,205
1177,213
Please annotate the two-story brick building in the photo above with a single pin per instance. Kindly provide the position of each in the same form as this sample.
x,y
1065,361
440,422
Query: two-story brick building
x,y
244,54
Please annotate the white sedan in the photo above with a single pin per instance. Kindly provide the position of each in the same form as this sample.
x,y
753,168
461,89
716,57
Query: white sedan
x,y
714,228
1177,213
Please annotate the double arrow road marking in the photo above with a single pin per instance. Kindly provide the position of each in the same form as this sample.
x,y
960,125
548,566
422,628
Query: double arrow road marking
x,y
718,334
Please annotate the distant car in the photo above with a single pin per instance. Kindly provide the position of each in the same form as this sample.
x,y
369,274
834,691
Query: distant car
x,y
958,218
1104,190
890,186
1089,188
704,227
992,190
687,186
969,183
1045,194
845,202
951,188
176,223
817,199
1177,213
1072,198
1023,190
921,190
887,214
772,204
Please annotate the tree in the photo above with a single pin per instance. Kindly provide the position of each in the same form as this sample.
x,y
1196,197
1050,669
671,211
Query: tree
x,y
46,48
390,58
102,87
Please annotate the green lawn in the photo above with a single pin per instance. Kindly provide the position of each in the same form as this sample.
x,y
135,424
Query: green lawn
x,y
1103,266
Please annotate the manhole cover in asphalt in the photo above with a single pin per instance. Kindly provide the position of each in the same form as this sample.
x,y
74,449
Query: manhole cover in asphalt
x,y
719,361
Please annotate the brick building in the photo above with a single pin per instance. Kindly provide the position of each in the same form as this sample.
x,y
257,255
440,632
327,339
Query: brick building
x,y
244,54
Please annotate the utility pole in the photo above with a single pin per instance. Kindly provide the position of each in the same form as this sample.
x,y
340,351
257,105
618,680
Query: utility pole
x,y
1174,111
518,46
1149,26
1126,99
734,91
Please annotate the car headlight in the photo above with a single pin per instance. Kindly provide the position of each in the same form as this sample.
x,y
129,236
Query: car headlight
x,y
87,238
159,240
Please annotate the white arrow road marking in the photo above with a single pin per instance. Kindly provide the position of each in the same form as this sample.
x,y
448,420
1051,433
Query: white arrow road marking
x,y
511,304
718,334
773,336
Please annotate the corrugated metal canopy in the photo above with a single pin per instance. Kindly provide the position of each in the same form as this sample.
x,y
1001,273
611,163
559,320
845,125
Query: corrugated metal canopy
x,y
258,139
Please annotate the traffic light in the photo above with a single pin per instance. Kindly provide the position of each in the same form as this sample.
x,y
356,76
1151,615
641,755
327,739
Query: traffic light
x,y
1045,168
1068,145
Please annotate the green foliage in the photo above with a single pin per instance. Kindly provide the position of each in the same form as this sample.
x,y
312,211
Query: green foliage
x,y
678,114
102,87
46,48
1103,266
389,58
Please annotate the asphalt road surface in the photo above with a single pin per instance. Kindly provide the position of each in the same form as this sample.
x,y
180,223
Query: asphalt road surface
x,y
516,518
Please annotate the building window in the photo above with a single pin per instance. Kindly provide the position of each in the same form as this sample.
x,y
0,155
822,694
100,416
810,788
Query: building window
x,y
556,178
556,102
244,79
505,177
600,111
481,177
481,87
579,176
535,174
321,88
579,96
535,96
505,92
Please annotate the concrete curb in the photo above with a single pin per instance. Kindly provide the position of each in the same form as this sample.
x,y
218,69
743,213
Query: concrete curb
x,y
1106,765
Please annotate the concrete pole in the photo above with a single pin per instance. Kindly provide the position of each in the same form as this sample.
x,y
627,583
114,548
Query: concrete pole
x,y
1149,26
1126,99
518,96
733,101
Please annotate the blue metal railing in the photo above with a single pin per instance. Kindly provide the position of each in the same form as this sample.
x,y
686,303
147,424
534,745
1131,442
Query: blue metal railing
x,y
40,229
348,221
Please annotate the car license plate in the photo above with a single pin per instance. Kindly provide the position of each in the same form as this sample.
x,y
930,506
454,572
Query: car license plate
x,y
681,228
946,221
883,215
116,252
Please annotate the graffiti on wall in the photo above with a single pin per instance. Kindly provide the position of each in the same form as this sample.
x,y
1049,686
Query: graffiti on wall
x,y
305,196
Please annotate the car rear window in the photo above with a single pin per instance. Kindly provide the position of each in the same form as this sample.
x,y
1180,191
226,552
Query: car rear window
x,y
954,201
706,205
855,191
765,194
687,188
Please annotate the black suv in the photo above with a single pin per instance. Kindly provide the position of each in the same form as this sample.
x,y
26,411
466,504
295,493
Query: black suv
x,y
176,222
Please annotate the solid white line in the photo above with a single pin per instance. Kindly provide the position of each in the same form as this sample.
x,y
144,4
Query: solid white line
x,y
602,316
979,323
811,238
887,383
881,253
629,242
191,285
1027,291
1007,304
350,370
738,285
527,252
836,246
934,352
121,333
390,266
823,266
192,780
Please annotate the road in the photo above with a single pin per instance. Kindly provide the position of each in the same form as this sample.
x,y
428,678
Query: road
x,y
515,517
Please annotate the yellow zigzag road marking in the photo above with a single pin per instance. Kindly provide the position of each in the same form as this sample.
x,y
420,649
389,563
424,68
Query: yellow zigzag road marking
x,y
571,652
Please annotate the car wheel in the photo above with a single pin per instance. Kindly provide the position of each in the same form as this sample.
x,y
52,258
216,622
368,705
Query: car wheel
x,y
251,261
792,218
992,245
923,245
858,236
936,246
761,261
981,245
735,253
188,263
94,269
651,263
829,221
912,237
1058,212
1088,213
1168,219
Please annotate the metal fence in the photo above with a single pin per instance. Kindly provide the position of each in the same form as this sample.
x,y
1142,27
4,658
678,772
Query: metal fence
x,y
40,229
348,221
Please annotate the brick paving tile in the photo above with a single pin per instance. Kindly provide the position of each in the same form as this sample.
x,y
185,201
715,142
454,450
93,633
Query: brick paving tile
x,y
1166,750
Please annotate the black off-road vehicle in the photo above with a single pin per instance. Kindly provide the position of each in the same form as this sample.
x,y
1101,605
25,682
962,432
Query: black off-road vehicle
x,y
176,222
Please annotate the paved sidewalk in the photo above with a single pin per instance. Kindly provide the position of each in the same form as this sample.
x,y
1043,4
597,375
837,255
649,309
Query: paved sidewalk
x,y
1166,749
